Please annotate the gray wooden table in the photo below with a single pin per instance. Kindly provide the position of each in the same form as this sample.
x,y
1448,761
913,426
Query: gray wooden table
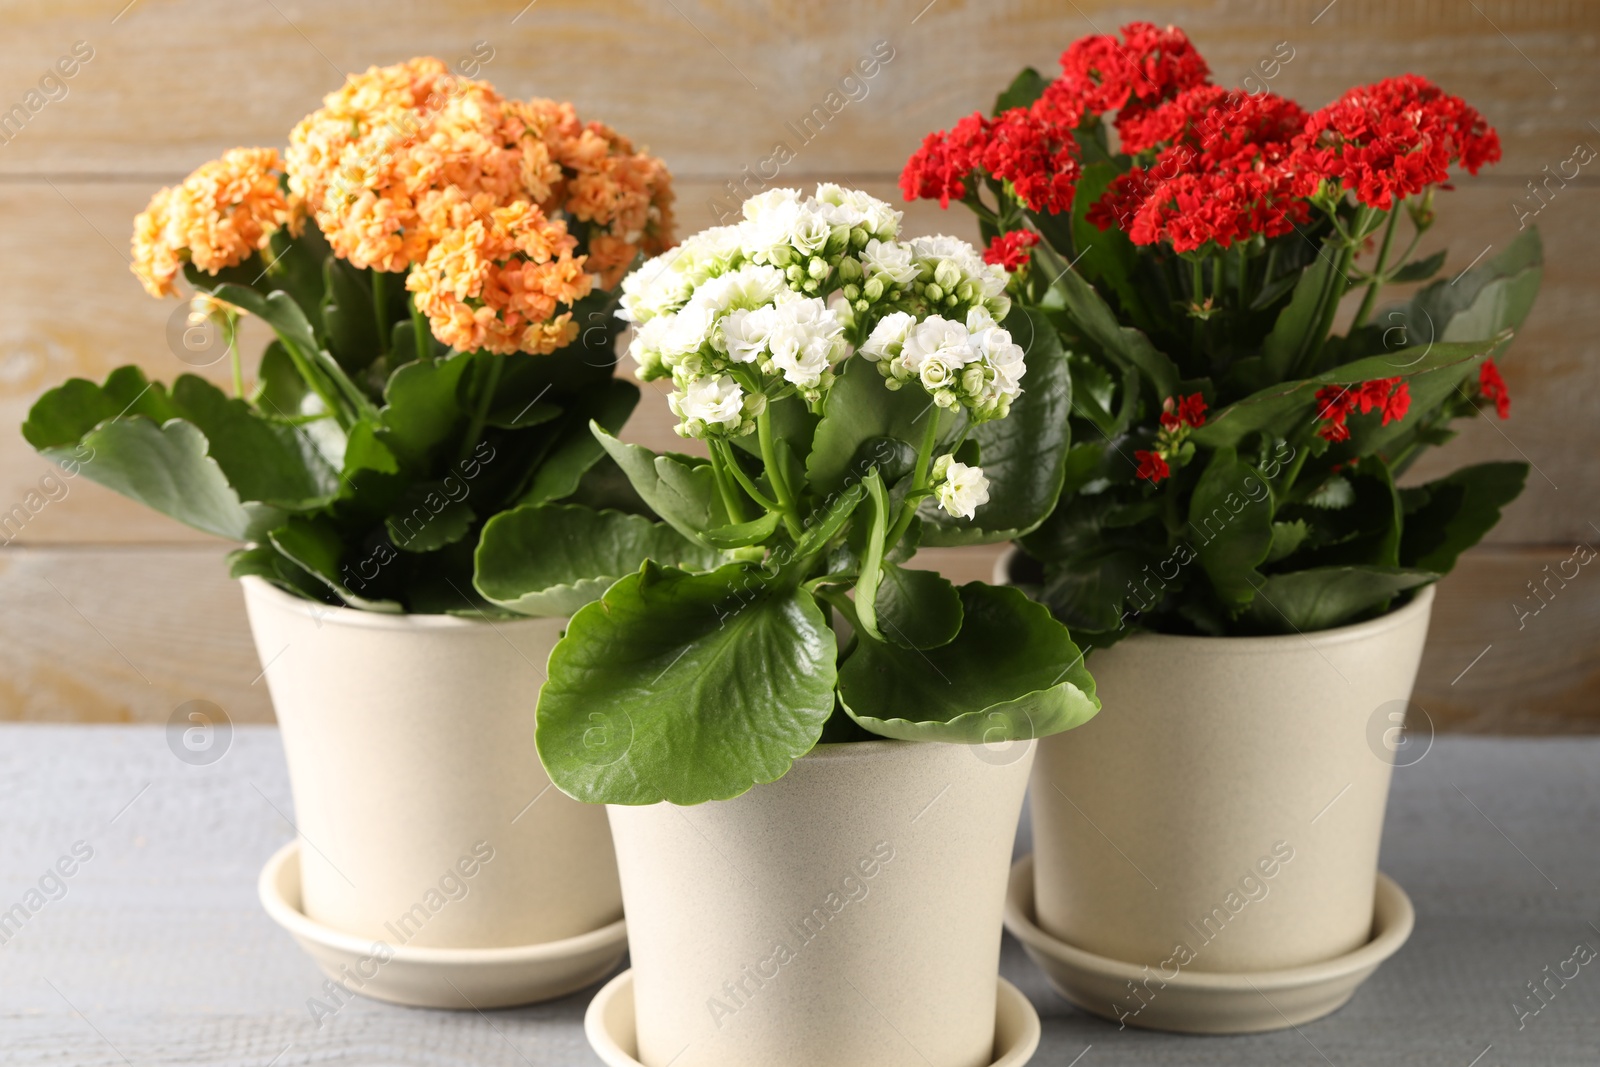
x,y
155,951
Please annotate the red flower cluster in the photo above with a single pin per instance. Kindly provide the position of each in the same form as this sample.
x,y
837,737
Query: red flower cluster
x,y
1099,74
1190,411
1039,160
1392,396
1010,250
1179,415
1222,173
1393,139
1152,468
1493,388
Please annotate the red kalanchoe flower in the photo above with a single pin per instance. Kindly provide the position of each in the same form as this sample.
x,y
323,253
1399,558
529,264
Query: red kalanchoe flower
x,y
1392,139
1391,396
1188,411
1099,74
1493,388
1222,171
1152,468
939,169
1038,159
1010,250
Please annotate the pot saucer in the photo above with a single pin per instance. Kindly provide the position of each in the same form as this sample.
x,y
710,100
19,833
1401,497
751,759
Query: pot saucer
x,y
609,1025
1208,1002
463,978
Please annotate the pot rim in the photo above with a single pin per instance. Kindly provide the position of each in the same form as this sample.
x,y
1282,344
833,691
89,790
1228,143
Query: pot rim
x,y
1420,604
340,615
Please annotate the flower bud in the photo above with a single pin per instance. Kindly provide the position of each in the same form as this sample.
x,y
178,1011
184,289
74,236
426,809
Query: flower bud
x,y
933,292
947,274
850,269
793,272
818,268
873,290
851,293
859,237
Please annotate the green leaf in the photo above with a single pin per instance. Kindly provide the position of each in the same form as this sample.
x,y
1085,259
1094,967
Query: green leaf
x,y
1323,597
1011,673
1286,537
1481,303
859,409
1446,517
554,559
264,460
1025,454
742,534
64,414
918,609
523,416
871,571
1124,344
1024,89
1280,405
577,450
680,489
1089,591
280,390
1106,256
430,517
685,688
1231,527
166,468
315,545
1420,270
421,411
347,314
1293,334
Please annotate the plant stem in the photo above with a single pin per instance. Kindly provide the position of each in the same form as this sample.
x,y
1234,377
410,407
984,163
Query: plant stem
x,y
1377,270
480,413
731,462
420,331
777,475
919,482
233,351
730,498
379,304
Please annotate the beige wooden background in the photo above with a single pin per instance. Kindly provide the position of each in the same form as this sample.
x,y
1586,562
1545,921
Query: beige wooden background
x,y
109,612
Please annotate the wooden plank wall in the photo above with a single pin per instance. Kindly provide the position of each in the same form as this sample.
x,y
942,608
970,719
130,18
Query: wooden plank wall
x,y
111,613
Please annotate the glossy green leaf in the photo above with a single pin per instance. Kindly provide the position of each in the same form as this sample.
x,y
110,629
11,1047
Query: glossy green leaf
x,y
315,545
1324,597
1446,517
1024,89
1124,344
917,609
554,559
431,515
1011,673
1420,270
860,409
685,687
577,450
1296,333
680,489
347,315
1230,526
742,534
421,411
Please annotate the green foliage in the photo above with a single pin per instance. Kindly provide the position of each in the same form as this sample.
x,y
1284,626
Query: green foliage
x,y
360,470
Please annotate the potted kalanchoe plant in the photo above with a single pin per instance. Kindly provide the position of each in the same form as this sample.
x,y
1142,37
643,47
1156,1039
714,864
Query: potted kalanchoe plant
x,y
857,395
438,265
1231,539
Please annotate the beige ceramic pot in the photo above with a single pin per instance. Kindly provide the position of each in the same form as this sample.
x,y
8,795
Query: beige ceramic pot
x,y
846,915
1223,812
425,817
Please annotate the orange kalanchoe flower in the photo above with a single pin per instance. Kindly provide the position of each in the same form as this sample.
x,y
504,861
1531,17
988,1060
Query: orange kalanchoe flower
x,y
218,217
496,279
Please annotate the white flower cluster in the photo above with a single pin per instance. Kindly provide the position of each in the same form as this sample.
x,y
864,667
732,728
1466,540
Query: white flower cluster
x,y
738,315
959,488
973,363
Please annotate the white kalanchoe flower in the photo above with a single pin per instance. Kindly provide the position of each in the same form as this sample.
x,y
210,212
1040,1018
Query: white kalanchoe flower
x,y
707,405
960,489
888,337
889,261
806,339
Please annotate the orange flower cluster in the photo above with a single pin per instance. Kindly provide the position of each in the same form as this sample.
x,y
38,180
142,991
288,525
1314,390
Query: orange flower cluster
x,y
501,209
218,217
496,283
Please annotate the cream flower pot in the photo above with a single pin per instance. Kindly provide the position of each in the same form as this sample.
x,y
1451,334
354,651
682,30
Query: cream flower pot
x,y
1223,812
846,915
425,817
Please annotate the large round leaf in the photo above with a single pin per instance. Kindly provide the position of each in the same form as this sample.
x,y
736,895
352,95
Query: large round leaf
x,y
859,408
552,560
1011,673
685,687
